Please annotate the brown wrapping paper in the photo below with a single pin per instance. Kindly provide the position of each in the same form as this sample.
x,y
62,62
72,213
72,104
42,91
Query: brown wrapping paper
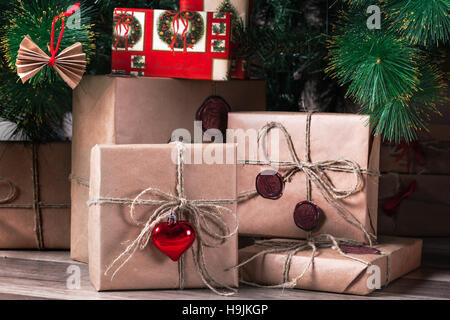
x,y
333,137
126,110
46,187
333,272
429,155
424,213
123,172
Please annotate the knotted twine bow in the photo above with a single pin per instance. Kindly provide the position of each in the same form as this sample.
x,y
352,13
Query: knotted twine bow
x,y
200,213
69,63
314,172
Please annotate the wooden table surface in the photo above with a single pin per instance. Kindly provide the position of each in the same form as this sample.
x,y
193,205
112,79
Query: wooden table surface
x,y
43,275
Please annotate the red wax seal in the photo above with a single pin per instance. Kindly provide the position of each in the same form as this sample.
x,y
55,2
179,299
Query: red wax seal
x,y
306,215
214,114
358,249
270,184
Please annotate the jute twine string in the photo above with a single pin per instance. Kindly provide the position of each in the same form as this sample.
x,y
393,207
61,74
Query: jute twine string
x,y
36,195
206,216
314,173
37,205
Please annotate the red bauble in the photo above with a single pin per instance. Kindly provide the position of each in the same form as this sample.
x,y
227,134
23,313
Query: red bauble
x,y
173,239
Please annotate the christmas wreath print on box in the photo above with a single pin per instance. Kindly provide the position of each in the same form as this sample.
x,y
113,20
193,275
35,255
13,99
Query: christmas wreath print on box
x,y
168,44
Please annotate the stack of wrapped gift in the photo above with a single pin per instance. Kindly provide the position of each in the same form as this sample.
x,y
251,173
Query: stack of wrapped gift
x,y
139,202
130,110
308,184
413,187
139,103
302,181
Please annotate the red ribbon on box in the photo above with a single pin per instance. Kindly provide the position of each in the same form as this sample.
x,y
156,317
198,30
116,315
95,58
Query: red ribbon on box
x,y
184,17
121,19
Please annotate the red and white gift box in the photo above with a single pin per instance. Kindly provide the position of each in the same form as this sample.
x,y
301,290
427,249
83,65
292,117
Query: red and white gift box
x,y
144,44
240,11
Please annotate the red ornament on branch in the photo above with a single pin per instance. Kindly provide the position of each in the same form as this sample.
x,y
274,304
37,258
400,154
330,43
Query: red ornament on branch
x,y
72,10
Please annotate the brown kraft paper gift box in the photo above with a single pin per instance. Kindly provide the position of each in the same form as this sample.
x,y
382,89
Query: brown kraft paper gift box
x,y
128,110
332,137
332,272
423,213
34,195
124,172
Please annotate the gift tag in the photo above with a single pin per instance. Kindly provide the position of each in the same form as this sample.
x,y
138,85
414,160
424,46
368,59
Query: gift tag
x,y
358,249
270,184
306,215
173,238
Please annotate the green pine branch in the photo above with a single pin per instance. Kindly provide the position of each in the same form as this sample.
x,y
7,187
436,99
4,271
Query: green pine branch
x,y
425,23
384,70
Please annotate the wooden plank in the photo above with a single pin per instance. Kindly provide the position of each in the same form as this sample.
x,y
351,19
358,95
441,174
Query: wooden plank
x,y
56,256
5,296
47,279
415,289
34,275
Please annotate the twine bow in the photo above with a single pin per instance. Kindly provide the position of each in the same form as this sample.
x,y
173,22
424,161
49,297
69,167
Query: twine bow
x,y
202,214
69,63
315,172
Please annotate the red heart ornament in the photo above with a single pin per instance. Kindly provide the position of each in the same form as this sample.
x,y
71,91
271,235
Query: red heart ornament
x,y
173,239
